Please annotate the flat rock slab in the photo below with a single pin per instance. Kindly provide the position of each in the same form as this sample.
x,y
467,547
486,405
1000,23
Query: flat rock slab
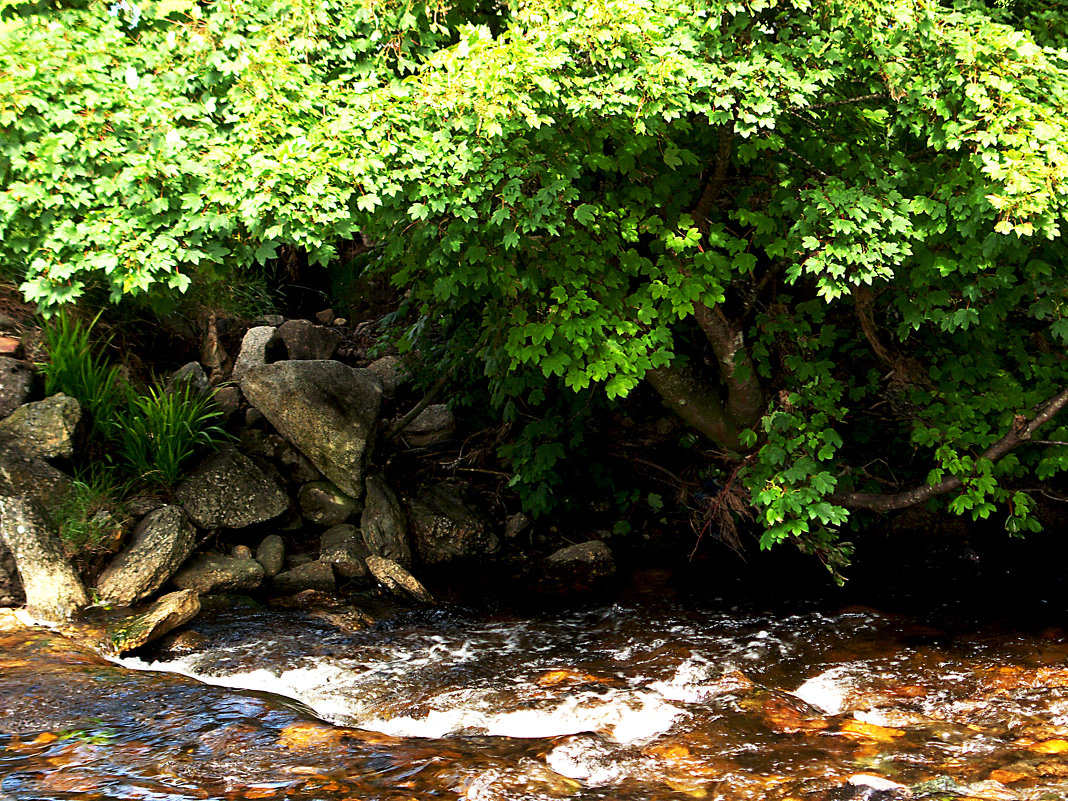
x,y
325,408
33,477
397,579
209,573
166,614
162,541
45,428
310,576
384,524
229,490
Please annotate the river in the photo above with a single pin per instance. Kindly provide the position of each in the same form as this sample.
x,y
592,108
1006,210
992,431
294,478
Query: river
x,y
647,696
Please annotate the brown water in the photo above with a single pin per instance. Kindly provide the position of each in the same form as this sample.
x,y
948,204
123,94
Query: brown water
x,y
642,700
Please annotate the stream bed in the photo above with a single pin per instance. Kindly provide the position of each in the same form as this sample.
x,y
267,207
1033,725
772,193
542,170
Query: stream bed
x,y
645,698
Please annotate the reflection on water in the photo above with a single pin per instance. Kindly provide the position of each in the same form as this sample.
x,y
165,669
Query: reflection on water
x,y
628,701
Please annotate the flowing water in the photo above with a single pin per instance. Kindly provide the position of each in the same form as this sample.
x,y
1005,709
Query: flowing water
x,y
640,699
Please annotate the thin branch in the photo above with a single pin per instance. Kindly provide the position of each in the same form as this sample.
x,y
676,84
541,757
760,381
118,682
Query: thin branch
x,y
1021,431
843,102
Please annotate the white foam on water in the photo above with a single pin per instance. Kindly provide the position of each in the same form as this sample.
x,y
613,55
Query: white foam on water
x,y
586,761
626,717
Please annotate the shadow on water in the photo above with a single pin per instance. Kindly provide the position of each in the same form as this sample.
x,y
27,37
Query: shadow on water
x,y
727,681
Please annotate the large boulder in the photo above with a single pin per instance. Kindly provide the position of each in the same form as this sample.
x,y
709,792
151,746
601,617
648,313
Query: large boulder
x,y
35,478
162,541
305,341
384,525
325,408
391,372
322,503
253,351
446,527
229,490
213,573
166,614
343,547
16,383
53,590
44,429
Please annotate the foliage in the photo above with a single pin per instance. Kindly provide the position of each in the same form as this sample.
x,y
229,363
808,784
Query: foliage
x,y
829,234
161,430
77,367
87,521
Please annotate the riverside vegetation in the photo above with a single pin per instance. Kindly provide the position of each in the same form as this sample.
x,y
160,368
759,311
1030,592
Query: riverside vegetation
x,y
827,236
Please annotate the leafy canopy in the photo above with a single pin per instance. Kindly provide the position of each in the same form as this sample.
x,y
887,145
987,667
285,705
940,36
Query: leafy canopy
x,y
868,197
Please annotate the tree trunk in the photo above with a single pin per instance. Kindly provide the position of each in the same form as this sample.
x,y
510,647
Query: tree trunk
x,y
696,402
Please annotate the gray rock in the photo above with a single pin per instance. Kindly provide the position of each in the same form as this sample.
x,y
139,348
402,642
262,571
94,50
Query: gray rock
x,y
391,372
16,383
229,490
162,541
433,425
166,614
11,592
273,320
322,503
343,547
326,409
310,576
516,525
253,351
326,316
228,399
297,559
45,428
445,527
208,574
35,478
271,553
191,374
294,465
53,590
578,567
398,580
241,552
384,525
304,340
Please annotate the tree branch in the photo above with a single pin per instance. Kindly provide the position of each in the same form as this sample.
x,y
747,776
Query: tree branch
x,y
1021,431
745,398
695,402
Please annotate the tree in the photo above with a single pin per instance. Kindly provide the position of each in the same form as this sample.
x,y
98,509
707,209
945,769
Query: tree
x,y
827,234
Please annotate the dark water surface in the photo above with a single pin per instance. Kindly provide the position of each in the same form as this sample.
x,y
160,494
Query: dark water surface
x,y
645,698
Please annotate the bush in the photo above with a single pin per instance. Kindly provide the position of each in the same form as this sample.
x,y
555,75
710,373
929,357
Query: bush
x,y
158,432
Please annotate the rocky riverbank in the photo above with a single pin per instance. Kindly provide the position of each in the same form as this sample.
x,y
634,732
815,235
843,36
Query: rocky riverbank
x,y
299,503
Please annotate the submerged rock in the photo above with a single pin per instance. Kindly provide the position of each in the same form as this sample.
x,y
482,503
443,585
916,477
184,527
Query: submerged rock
x,y
16,382
325,408
162,541
45,428
322,503
211,573
166,614
384,525
446,527
229,490
53,590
